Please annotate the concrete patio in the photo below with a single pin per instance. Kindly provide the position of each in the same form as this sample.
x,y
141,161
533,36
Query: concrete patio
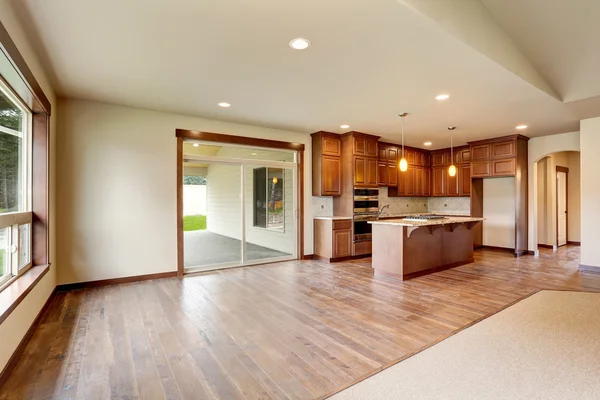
x,y
207,248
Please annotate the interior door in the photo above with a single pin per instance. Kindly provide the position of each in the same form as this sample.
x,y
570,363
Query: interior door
x,y
561,204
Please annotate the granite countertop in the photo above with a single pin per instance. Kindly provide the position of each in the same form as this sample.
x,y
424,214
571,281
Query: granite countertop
x,y
408,214
445,221
332,218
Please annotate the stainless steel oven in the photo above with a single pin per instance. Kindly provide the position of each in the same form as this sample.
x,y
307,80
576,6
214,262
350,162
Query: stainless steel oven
x,y
363,231
366,200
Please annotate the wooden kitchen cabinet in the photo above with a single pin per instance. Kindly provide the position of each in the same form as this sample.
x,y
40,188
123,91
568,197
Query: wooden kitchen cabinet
x,y
326,164
342,243
360,170
387,174
505,167
332,239
386,165
451,188
383,174
331,176
503,149
365,146
371,172
422,181
438,181
480,152
465,155
438,158
481,169
464,180
392,175
406,181
365,171
426,182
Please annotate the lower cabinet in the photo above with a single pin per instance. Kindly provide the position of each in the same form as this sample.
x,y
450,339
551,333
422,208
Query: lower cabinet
x,y
342,243
333,239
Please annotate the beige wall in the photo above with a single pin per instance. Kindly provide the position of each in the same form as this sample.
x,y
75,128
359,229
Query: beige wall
x,y
16,325
590,192
538,148
499,212
547,196
116,184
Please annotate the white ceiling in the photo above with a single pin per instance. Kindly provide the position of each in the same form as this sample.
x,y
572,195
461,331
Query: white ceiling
x,y
560,38
369,60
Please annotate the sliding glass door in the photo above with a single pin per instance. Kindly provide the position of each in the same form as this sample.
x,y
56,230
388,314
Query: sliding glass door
x,y
239,206
269,223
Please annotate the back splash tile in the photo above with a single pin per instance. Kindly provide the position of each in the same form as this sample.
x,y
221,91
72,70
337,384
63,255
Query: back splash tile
x,y
459,205
401,204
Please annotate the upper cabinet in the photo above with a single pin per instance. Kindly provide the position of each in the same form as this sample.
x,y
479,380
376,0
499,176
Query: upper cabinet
x,y
388,165
496,157
362,151
364,145
326,164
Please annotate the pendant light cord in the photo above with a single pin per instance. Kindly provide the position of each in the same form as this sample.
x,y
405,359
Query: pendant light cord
x,y
402,137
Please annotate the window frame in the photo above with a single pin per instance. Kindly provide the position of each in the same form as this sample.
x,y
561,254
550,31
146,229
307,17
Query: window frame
x,y
13,220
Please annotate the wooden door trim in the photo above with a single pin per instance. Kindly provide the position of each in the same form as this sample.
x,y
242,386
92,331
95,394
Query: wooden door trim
x,y
566,171
241,140
182,134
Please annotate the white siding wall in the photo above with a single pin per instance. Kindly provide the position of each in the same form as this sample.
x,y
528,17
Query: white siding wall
x,y
223,203
194,199
223,209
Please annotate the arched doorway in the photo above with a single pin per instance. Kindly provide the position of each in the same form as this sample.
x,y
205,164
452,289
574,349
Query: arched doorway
x,y
556,200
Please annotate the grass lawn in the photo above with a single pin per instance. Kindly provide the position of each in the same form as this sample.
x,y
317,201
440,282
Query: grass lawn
x,y
194,222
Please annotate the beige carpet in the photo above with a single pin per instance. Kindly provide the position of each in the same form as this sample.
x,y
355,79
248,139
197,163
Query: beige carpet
x,y
544,347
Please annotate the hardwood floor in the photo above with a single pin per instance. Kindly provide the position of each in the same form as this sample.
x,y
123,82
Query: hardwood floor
x,y
296,330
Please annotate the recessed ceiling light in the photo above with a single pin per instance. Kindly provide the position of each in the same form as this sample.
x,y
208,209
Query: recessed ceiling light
x,y
427,144
442,97
519,127
196,145
344,126
299,43
224,104
254,154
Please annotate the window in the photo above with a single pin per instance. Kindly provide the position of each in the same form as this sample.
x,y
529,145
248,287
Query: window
x,y
15,187
269,200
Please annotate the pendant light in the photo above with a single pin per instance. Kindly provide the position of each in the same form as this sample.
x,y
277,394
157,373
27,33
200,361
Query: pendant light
x,y
403,162
452,168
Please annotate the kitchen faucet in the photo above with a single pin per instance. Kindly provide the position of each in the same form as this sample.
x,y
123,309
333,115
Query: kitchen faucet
x,y
381,210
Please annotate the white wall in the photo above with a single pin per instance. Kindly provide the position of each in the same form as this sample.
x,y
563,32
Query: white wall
x,y
574,215
499,212
16,325
194,199
590,192
543,201
116,180
537,148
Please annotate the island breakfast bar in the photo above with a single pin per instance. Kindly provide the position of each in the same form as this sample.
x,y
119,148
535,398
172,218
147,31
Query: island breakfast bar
x,y
406,248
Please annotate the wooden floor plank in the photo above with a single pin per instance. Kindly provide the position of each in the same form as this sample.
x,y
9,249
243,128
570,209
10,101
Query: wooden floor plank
x,y
290,330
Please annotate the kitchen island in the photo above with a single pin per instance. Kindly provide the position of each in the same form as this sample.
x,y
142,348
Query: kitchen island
x,y
409,247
